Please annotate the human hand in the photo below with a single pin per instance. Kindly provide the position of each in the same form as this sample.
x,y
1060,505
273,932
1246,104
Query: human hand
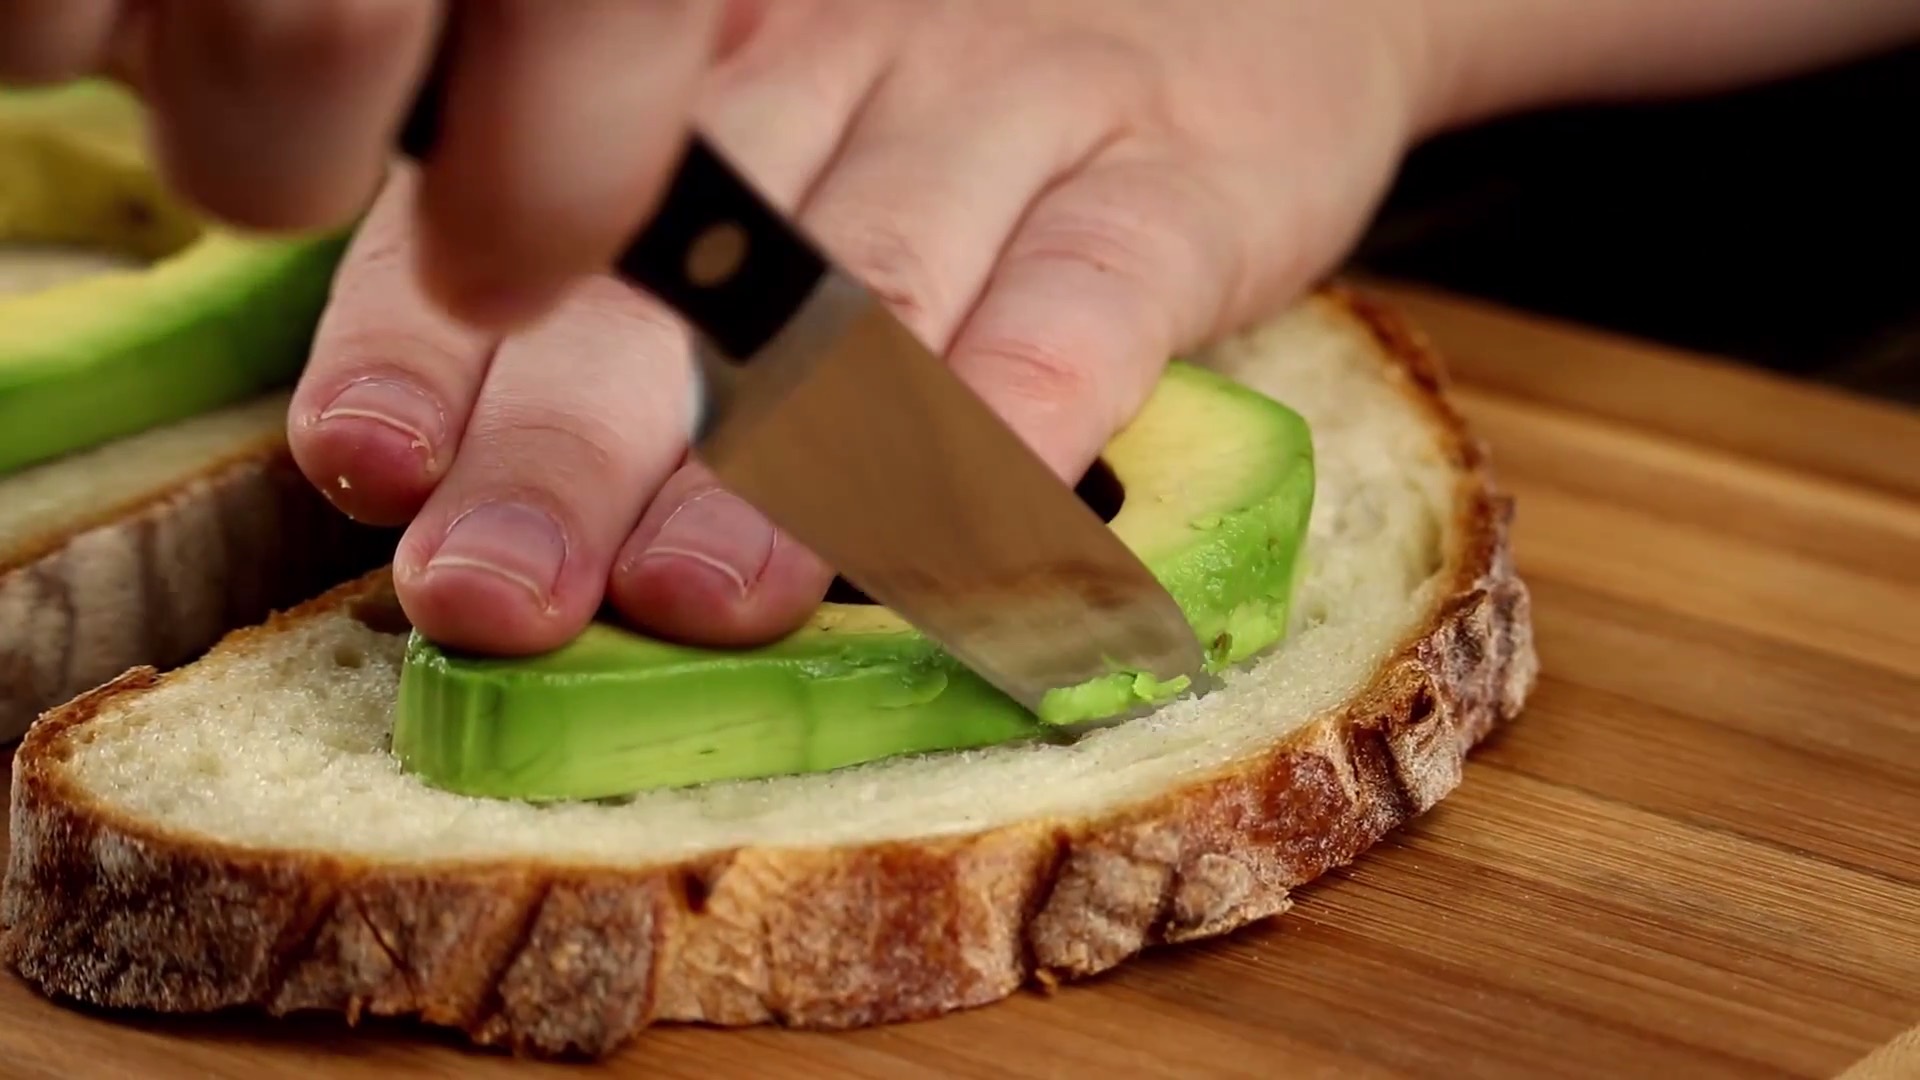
x,y
1057,196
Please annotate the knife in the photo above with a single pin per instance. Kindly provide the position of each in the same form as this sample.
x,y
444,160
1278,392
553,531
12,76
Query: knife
x,y
822,410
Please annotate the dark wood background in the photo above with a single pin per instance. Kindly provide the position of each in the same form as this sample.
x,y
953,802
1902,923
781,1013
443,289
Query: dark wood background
x,y
1778,225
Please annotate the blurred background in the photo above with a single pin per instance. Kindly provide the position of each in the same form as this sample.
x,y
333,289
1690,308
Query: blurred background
x,y
1779,226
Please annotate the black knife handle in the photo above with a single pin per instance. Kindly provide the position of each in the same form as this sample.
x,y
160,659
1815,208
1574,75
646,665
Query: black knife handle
x,y
714,250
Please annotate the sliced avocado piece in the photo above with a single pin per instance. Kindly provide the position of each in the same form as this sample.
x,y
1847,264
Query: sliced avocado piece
x,y
1213,484
197,317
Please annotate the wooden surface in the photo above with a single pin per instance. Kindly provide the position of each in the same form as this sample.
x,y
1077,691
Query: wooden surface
x,y
1697,854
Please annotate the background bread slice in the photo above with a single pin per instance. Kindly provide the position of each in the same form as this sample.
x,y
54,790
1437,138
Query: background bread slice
x,y
233,834
144,551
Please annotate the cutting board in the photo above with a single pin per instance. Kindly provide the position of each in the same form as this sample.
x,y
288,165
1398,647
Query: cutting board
x,y
1697,854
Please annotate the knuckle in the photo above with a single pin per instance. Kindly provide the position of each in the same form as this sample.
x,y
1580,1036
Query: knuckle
x,y
883,255
568,451
1044,371
1100,238
605,308
379,249
1156,232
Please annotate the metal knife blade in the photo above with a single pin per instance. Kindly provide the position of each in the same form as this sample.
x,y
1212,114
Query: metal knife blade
x,y
850,435
825,412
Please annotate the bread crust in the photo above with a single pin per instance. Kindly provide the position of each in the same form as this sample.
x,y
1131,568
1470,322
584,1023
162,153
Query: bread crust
x,y
157,581
557,960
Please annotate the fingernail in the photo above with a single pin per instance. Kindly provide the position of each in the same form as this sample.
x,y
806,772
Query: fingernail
x,y
718,530
394,403
514,543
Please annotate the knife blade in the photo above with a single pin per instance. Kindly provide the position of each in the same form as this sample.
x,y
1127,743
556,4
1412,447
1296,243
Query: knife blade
x,y
820,408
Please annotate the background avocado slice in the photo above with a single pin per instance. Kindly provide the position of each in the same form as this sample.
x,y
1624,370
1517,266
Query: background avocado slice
x,y
1217,486
194,318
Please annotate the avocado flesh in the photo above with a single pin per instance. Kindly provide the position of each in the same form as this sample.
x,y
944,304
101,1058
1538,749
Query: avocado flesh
x,y
28,269
1218,483
614,712
194,318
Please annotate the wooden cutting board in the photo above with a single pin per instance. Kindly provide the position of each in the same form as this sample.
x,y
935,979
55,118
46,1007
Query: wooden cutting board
x,y
1696,855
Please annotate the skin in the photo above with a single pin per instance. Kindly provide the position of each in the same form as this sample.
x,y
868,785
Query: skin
x,y
1056,195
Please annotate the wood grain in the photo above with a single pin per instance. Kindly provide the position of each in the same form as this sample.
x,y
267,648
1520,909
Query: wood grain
x,y
1697,854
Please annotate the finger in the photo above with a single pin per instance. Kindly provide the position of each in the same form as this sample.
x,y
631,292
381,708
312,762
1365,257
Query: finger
x,y
406,375
561,123
50,41
581,418
389,381
281,115
933,178
780,106
916,204
1110,274
705,567
781,101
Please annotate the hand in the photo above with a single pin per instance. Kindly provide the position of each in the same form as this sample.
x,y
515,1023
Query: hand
x,y
1057,195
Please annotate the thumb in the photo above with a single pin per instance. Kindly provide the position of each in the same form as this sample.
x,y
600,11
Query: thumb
x,y
1111,273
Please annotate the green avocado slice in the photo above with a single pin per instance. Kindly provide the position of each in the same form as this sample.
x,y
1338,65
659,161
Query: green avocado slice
x,y
1216,482
195,318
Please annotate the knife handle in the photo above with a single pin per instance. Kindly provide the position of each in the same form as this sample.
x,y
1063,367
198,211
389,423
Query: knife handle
x,y
714,250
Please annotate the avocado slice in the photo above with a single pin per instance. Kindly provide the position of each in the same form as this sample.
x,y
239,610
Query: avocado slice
x,y
1215,483
174,318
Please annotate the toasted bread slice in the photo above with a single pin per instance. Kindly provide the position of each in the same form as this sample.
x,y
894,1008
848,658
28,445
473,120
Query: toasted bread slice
x,y
235,833
144,551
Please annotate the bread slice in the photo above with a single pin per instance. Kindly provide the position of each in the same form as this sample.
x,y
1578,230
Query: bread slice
x,y
145,550
234,834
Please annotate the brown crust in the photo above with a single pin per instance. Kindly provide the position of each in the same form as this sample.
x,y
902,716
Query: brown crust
x,y
558,960
156,581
